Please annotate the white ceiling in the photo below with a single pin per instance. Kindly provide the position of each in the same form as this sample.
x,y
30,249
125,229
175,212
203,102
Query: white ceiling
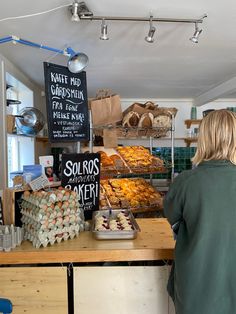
x,y
171,67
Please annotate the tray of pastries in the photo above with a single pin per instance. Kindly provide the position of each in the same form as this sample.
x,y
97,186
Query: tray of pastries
x,y
133,193
112,163
114,224
140,160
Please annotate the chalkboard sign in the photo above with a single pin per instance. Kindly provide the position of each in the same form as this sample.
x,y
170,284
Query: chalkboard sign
x,y
81,173
67,105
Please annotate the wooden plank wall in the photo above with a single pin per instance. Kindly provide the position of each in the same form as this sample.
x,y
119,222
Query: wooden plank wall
x,y
37,290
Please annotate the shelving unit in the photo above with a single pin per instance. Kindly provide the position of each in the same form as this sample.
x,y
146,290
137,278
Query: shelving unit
x,y
189,123
139,134
142,133
190,140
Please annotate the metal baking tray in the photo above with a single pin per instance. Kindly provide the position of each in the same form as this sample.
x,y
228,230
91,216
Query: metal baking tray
x,y
115,234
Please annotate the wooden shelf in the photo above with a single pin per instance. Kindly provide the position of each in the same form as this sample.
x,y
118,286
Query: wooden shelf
x,y
41,139
190,140
188,123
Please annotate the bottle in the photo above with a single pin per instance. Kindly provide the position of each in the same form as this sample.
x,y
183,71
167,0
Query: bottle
x,y
193,115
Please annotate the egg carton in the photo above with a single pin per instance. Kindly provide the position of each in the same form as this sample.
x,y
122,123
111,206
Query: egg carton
x,y
10,237
46,238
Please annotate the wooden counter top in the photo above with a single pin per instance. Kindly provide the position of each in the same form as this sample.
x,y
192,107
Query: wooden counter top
x,y
154,242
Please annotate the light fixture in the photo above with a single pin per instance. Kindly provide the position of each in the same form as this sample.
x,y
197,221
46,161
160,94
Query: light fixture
x,y
74,11
79,10
104,35
76,63
196,34
151,32
85,14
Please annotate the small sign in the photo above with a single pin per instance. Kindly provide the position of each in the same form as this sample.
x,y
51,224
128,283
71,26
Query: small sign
x,y
81,173
39,183
67,104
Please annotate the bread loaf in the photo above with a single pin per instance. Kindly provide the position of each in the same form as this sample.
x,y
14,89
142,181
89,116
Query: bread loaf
x,y
131,119
146,120
162,121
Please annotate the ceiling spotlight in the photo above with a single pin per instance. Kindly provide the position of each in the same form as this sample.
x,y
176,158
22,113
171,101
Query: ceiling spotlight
x,y
196,34
79,10
151,32
74,11
104,35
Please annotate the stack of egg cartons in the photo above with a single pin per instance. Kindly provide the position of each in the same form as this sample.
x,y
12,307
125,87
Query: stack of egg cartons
x,y
52,216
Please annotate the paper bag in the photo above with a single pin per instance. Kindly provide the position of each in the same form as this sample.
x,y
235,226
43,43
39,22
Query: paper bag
x,y
106,109
110,138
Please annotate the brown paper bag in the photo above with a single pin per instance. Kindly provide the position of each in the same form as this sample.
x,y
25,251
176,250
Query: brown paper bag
x,y
106,108
110,138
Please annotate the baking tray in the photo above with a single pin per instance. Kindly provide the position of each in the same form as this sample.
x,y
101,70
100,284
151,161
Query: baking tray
x,y
115,234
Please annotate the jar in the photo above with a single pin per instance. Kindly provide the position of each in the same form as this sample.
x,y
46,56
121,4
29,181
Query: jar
x,y
193,115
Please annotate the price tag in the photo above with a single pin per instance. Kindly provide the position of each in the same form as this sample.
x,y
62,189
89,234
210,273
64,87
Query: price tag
x,y
39,183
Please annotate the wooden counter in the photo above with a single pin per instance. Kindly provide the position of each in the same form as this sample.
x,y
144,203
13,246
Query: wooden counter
x,y
154,242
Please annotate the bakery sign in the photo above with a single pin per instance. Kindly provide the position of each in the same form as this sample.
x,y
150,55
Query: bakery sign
x,y
81,173
67,105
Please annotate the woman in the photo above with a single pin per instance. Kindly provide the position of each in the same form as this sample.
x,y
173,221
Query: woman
x,y
201,204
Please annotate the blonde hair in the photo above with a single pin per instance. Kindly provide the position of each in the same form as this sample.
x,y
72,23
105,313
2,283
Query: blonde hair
x,y
217,137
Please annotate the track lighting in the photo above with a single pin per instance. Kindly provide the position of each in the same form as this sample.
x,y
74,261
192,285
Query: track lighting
x,y
151,32
74,11
104,35
81,10
76,63
196,34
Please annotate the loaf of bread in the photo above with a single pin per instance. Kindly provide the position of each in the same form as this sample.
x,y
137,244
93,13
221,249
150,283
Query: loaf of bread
x,y
131,119
162,121
146,120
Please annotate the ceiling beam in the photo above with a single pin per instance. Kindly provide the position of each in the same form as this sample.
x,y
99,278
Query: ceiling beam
x,y
228,87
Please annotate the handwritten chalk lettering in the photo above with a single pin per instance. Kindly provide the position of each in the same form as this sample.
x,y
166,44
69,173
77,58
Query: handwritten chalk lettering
x,y
66,128
56,105
64,92
67,107
61,115
88,206
79,168
78,117
59,78
75,81
71,107
86,191
88,178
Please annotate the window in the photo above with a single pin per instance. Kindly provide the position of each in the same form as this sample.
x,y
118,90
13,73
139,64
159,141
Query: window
x,y
20,148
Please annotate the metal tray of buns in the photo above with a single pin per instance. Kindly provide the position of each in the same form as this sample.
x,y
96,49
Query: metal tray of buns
x,y
109,234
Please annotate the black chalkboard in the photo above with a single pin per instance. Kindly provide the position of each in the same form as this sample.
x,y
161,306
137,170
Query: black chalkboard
x,y
81,173
67,104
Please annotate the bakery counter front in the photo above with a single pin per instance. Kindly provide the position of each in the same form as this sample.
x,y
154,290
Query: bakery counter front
x,y
88,276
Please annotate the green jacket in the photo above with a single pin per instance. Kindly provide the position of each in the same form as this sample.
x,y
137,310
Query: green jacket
x,y
203,200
